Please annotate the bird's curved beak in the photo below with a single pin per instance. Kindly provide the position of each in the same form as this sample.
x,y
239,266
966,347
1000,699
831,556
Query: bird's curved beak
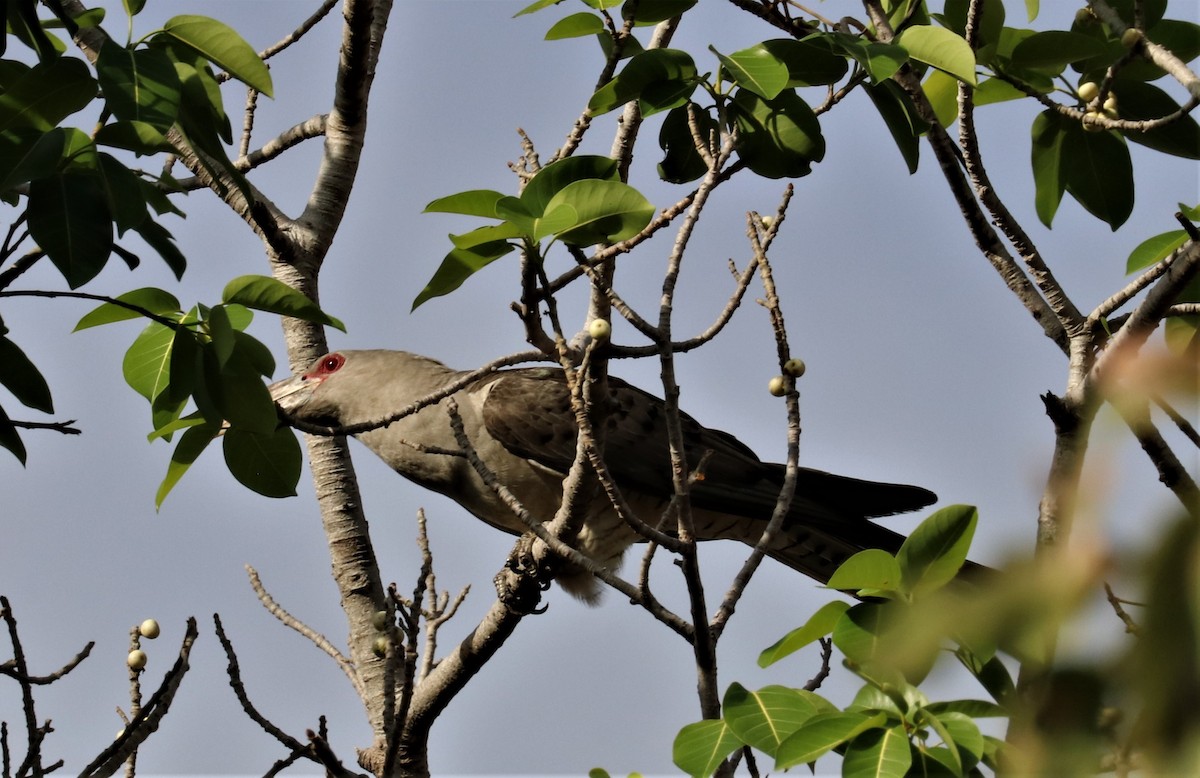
x,y
290,393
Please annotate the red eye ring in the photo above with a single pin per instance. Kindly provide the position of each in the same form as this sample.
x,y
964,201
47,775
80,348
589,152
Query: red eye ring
x,y
328,364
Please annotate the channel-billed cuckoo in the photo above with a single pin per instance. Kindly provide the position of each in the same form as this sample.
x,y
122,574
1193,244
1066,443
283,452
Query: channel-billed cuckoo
x,y
521,424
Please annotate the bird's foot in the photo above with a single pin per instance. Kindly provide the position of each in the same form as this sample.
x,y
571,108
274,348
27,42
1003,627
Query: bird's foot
x,y
525,576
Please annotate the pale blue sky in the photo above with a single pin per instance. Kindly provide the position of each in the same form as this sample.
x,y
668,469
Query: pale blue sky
x,y
922,369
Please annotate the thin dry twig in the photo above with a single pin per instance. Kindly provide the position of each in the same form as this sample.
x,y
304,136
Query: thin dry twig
x,y
1131,626
290,621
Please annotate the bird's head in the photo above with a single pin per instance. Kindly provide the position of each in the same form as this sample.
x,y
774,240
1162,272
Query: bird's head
x,y
312,396
353,387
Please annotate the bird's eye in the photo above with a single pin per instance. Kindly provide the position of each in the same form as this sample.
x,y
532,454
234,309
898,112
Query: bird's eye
x,y
330,364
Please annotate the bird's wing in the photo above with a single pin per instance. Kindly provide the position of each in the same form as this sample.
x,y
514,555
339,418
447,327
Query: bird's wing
x,y
529,412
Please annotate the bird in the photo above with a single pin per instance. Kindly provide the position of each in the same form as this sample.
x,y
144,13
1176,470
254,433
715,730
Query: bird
x,y
520,423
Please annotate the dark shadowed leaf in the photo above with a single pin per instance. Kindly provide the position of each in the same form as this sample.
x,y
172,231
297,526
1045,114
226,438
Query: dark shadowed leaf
x,y
10,438
139,86
1141,102
1053,50
159,239
46,94
268,463
901,119
809,62
778,138
655,11
1099,173
681,161
21,377
69,218
1049,134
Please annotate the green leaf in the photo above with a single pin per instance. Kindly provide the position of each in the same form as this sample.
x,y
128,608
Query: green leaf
x,y
765,718
493,233
191,444
818,626
872,568
809,62
46,94
1049,135
755,69
10,438
963,732
821,734
1052,50
458,266
1099,173
575,26
778,138
139,86
880,60
474,202
700,748
556,176
935,551
857,633
901,118
268,463
221,45
667,69
940,48
603,212
536,6
236,391
21,377
69,219
147,362
878,753
150,298
264,293
1153,250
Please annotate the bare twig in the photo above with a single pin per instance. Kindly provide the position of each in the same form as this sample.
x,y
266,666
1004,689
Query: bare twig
x,y
234,671
290,621
1131,626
